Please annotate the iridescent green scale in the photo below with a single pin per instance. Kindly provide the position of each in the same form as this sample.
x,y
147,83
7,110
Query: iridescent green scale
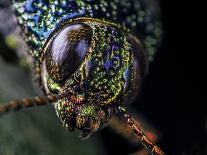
x,y
40,17
91,56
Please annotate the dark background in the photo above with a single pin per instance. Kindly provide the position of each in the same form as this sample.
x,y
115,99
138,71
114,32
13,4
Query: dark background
x,y
171,97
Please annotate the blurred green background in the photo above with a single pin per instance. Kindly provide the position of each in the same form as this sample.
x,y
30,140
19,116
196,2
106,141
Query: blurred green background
x,y
34,131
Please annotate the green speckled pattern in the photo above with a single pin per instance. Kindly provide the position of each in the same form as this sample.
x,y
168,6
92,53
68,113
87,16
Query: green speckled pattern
x,y
118,34
39,18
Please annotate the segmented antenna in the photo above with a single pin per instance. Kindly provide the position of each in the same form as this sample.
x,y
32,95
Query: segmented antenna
x,y
25,103
139,132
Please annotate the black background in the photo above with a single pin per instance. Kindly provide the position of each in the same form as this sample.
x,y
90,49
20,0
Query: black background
x,y
171,97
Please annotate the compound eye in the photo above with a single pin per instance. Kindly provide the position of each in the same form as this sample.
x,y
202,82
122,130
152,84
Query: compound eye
x,y
67,50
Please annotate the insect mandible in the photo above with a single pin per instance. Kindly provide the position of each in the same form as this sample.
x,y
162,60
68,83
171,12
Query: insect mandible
x,y
89,57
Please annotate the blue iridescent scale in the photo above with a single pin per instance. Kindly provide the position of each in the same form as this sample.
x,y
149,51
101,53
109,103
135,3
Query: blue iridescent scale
x,y
90,58
39,18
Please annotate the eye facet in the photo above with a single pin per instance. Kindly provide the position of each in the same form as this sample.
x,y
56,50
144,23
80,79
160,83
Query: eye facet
x,y
67,50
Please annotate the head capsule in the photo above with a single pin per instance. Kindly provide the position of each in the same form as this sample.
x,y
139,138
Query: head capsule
x,y
96,65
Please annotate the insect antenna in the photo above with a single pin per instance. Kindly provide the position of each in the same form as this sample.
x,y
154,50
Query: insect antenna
x,y
25,103
139,132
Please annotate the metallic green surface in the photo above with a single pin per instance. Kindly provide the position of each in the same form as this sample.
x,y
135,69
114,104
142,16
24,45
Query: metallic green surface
x,y
124,32
40,17
36,131
121,36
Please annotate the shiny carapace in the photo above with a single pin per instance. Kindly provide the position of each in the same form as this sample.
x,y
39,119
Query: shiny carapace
x,y
90,57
